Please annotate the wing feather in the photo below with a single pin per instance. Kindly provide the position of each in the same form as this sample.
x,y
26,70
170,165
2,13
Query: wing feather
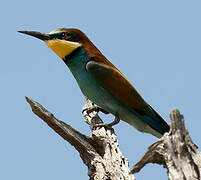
x,y
121,88
117,84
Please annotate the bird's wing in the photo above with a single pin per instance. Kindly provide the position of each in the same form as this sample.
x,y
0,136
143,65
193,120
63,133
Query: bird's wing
x,y
117,84
121,88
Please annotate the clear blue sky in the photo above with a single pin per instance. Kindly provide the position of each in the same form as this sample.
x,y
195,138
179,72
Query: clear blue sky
x,y
156,44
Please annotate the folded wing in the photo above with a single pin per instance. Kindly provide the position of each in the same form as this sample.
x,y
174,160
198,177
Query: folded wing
x,y
116,83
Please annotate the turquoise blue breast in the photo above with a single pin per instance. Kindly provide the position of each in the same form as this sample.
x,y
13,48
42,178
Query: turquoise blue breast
x,y
94,90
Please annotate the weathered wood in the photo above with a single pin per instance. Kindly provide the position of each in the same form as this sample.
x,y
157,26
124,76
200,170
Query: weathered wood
x,y
100,152
175,151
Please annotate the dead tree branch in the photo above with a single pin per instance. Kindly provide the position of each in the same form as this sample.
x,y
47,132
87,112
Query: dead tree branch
x,y
100,152
175,151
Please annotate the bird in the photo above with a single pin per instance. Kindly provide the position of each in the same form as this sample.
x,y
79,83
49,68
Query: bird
x,y
101,82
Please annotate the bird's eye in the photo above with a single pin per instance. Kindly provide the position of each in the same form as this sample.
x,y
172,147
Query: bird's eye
x,y
64,36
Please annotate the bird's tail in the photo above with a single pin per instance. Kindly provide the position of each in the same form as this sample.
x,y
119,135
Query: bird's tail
x,y
161,126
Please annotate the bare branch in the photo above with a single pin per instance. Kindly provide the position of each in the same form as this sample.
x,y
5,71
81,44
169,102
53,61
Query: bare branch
x,y
81,142
100,152
176,151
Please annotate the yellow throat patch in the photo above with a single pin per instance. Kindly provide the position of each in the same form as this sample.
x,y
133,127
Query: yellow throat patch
x,y
62,48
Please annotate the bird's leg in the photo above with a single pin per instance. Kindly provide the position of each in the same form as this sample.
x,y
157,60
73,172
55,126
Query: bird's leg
x,y
109,126
98,109
116,121
92,108
102,110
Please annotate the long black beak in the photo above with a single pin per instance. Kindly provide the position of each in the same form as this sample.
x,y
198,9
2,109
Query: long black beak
x,y
38,35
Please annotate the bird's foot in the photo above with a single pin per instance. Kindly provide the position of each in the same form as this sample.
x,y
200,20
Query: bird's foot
x,y
109,126
96,109
101,124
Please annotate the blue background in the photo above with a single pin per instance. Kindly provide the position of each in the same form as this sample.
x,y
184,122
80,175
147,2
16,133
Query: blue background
x,y
156,44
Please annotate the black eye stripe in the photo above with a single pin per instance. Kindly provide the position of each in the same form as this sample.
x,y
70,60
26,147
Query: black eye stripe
x,y
69,36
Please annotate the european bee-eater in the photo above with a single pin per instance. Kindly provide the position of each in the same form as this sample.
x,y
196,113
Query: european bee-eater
x,y
101,81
